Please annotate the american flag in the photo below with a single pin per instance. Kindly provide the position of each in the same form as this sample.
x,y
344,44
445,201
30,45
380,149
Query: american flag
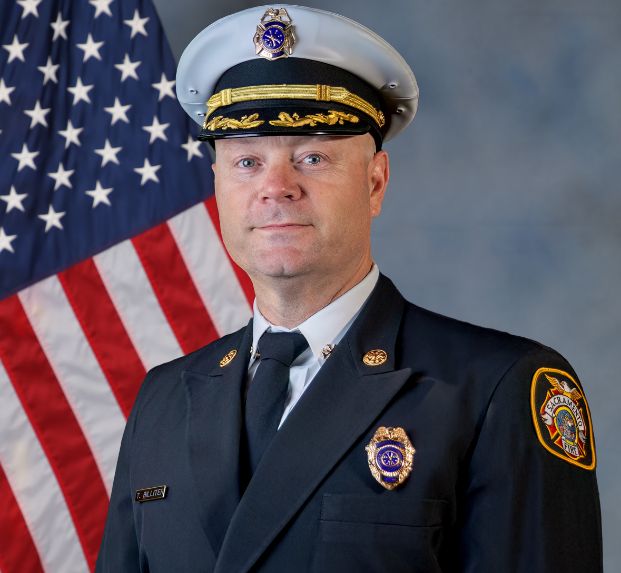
x,y
110,259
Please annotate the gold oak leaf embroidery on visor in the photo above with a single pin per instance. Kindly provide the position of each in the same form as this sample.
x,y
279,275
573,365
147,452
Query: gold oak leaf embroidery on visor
x,y
332,118
245,122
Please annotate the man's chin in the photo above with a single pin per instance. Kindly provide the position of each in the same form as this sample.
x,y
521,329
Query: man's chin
x,y
279,267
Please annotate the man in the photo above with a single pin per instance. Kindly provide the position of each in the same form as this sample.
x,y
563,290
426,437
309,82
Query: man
x,y
343,429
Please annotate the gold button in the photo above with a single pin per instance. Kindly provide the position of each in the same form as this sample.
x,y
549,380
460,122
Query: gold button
x,y
375,357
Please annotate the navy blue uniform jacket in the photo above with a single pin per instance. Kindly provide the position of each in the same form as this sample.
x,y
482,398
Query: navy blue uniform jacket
x,y
484,495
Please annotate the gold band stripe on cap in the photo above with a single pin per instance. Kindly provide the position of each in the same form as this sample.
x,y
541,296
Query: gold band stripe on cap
x,y
316,92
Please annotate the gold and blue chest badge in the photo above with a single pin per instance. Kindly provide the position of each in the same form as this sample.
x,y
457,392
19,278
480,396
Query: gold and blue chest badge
x,y
274,36
561,417
390,455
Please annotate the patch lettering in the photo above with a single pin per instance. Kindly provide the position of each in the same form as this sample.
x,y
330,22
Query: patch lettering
x,y
561,417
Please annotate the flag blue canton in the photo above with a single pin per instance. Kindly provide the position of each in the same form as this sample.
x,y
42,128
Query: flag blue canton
x,y
94,147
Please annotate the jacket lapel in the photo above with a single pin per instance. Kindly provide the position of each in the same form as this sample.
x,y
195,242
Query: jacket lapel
x,y
214,425
342,402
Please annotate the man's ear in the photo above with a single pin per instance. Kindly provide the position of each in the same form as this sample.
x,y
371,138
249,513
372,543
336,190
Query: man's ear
x,y
379,174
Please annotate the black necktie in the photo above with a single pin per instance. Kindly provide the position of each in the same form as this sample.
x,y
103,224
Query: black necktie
x,y
267,392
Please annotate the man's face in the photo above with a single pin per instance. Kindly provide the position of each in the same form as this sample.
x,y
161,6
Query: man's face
x,y
294,206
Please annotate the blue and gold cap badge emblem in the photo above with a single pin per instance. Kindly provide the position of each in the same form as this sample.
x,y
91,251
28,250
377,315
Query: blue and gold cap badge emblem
x,y
390,455
561,417
274,36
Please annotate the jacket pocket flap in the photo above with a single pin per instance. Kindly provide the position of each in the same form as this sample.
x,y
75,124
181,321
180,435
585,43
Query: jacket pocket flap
x,y
382,509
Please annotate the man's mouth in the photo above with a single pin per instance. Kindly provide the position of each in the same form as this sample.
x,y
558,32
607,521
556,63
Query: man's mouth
x,y
287,226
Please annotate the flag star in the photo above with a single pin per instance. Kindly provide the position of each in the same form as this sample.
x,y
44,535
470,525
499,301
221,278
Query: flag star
x,y
61,177
14,200
118,111
137,24
49,71
71,134
164,87
5,92
108,153
127,68
15,49
101,7
90,48
147,171
99,195
37,115
25,157
5,241
80,92
192,148
52,219
156,130
30,7
59,27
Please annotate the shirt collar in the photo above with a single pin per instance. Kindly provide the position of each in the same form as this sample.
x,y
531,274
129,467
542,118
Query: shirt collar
x,y
328,325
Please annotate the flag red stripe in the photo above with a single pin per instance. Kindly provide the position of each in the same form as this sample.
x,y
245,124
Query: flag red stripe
x,y
242,277
104,331
18,553
55,425
174,289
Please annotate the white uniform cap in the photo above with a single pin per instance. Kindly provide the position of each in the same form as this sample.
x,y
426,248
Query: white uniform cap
x,y
320,36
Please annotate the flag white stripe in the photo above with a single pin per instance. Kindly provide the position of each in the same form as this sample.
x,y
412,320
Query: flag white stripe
x,y
35,487
210,269
132,294
77,371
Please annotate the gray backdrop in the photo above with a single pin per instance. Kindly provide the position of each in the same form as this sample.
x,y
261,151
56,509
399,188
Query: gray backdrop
x,y
504,207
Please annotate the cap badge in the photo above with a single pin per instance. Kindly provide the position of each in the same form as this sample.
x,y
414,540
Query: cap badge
x,y
390,455
375,357
228,358
274,36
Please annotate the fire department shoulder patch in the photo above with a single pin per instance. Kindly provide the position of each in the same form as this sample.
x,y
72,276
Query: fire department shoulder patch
x,y
561,417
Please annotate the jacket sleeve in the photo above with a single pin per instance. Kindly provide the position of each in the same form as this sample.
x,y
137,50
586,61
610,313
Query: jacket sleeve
x,y
528,505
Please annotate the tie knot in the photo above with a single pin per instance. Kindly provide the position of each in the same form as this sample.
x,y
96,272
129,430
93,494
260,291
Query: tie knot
x,y
284,347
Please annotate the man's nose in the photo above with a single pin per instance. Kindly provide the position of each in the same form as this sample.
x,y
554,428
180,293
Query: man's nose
x,y
280,182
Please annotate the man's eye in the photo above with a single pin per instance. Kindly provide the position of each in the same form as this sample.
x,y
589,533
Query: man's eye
x,y
246,162
313,159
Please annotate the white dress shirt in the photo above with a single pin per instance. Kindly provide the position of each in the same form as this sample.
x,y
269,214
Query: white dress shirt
x,y
323,331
